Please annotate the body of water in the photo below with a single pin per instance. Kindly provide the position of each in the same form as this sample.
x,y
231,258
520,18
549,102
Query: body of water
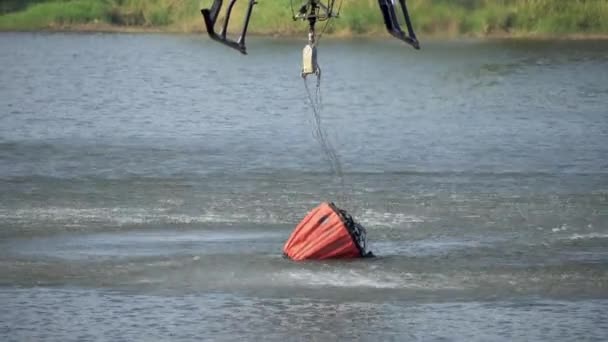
x,y
148,183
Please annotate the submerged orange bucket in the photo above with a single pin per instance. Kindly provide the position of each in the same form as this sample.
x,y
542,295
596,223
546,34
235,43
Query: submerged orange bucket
x,y
326,232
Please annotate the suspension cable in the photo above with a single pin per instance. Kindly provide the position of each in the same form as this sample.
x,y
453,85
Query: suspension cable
x,y
316,102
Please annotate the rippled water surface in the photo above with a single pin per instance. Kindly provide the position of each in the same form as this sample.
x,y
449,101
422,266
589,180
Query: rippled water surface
x,y
148,183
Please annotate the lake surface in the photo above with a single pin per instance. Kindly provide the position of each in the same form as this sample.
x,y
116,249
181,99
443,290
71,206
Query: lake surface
x,y
148,183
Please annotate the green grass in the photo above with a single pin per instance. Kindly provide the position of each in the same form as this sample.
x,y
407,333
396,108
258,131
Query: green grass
x,y
443,17
150,12
46,14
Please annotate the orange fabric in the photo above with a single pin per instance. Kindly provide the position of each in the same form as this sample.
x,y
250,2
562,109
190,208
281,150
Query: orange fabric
x,y
321,235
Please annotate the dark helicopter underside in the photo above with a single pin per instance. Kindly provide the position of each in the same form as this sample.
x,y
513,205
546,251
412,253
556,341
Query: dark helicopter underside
x,y
312,11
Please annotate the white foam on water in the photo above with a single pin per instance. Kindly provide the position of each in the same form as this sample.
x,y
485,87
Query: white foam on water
x,y
122,216
75,217
81,215
190,237
344,278
372,218
368,278
589,236
561,228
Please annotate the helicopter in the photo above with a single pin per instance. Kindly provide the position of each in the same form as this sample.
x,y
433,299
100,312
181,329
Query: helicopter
x,y
312,11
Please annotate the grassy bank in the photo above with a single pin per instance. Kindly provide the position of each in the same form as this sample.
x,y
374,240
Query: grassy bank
x,y
358,17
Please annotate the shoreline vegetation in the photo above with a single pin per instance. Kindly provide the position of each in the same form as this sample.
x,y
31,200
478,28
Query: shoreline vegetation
x,y
572,19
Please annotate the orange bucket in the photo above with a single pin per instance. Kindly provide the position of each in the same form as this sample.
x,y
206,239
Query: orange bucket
x,y
326,232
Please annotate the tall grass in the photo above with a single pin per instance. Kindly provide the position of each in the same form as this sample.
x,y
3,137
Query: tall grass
x,y
151,12
47,14
445,17
453,17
